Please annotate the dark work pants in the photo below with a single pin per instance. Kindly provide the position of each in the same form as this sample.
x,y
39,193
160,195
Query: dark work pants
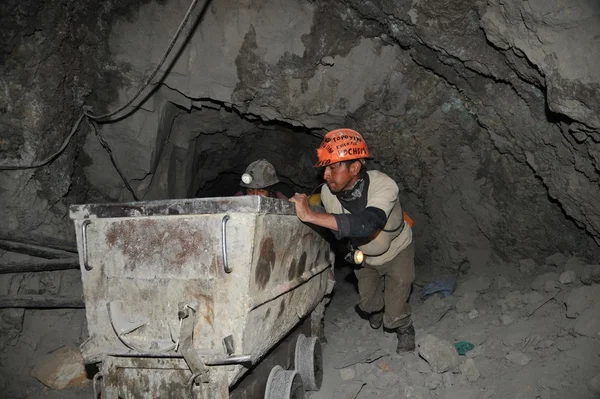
x,y
387,287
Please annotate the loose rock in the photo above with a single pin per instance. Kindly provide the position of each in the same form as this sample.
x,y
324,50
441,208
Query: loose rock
x,y
565,344
533,297
386,380
448,379
327,60
556,259
580,299
348,390
439,303
347,373
469,370
369,379
415,377
575,265
552,285
441,355
518,358
459,393
473,314
590,274
478,284
539,283
515,336
423,367
416,392
501,282
514,300
11,324
364,368
433,381
467,302
547,382
562,332
527,266
477,351
588,323
60,369
545,344
567,277
594,384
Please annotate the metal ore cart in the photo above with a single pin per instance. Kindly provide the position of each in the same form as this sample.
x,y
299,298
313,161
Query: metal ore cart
x,y
189,298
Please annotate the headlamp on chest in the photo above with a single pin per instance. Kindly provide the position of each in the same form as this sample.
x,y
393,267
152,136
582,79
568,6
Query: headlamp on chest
x,y
358,257
355,256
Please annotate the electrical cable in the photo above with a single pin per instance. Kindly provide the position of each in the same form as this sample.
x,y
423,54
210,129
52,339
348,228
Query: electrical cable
x,y
98,118
156,69
51,157
104,144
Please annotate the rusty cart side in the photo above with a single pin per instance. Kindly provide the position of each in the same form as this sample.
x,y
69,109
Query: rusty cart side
x,y
184,297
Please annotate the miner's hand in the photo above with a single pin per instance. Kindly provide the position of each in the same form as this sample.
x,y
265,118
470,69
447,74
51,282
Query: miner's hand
x,y
303,210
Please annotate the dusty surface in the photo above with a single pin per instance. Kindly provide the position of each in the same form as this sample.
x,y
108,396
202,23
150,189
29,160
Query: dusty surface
x,y
550,353
31,340
54,58
485,112
535,334
461,124
493,138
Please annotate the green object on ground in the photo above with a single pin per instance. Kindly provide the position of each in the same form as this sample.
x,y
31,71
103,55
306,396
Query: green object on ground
x,y
463,347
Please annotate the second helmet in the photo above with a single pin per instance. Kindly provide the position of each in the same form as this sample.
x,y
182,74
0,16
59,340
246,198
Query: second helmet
x,y
259,174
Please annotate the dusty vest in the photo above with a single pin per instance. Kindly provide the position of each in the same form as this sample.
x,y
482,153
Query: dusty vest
x,y
383,246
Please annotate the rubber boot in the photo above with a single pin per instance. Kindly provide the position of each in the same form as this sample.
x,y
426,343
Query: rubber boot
x,y
406,339
376,320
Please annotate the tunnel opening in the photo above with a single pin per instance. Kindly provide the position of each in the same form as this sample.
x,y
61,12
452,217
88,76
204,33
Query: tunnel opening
x,y
205,150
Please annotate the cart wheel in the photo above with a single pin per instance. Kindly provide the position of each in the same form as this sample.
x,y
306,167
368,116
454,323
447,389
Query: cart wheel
x,y
309,362
284,384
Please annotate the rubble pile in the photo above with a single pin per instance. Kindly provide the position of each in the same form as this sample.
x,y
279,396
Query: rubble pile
x,y
533,330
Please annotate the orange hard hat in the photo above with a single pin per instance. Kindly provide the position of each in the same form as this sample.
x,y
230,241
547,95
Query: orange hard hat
x,y
341,145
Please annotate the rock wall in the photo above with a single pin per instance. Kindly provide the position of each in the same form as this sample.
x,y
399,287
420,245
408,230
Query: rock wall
x,y
54,58
534,98
485,113
453,105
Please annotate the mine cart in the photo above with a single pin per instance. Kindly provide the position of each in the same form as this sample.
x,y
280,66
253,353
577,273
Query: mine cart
x,y
189,298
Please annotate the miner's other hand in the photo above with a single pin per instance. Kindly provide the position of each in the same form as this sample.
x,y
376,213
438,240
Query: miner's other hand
x,y
302,206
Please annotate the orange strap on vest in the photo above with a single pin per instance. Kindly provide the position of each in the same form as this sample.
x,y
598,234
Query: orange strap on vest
x,y
408,220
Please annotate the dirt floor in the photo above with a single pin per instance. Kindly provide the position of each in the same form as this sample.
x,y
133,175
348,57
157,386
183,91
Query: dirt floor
x,y
533,337
535,331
